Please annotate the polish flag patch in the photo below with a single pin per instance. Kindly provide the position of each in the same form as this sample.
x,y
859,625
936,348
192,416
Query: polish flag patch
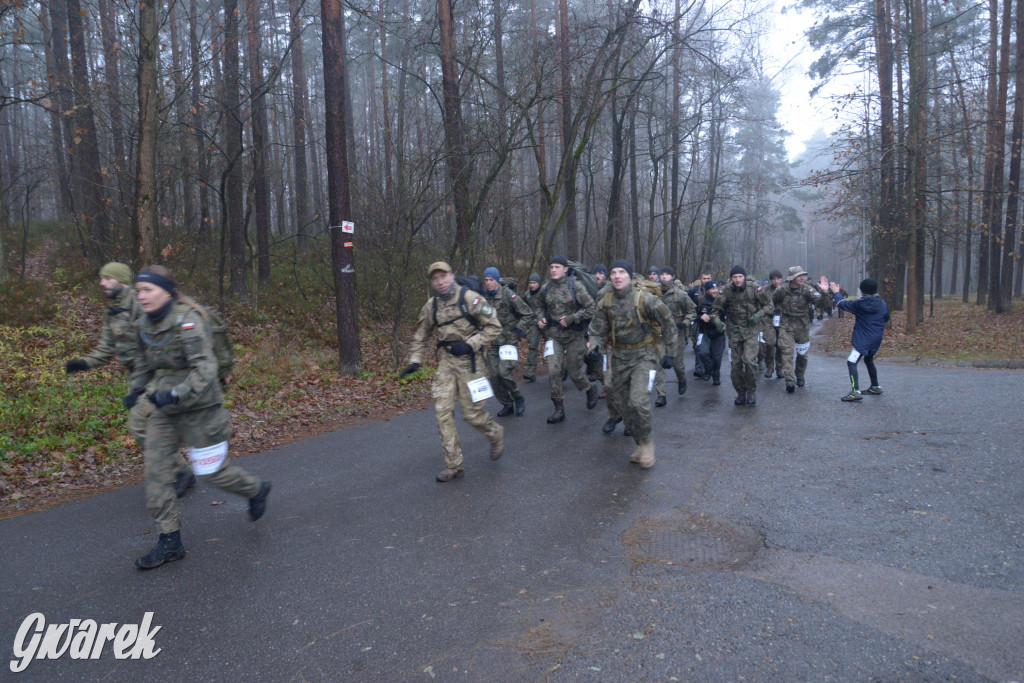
x,y
476,301
187,326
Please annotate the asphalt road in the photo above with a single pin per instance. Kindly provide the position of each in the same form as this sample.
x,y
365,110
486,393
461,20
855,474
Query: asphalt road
x,y
803,539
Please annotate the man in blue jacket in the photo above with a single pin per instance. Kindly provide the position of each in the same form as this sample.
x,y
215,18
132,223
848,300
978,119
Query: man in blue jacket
x,y
872,314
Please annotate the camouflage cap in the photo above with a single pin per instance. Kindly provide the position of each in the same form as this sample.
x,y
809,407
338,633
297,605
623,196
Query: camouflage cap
x,y
438,265
794,273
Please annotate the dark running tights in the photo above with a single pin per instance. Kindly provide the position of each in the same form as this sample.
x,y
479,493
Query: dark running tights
x,y
869,363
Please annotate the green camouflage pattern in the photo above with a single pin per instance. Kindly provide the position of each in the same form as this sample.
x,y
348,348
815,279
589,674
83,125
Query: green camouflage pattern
x,y
737,306
629,369
557,300
796,306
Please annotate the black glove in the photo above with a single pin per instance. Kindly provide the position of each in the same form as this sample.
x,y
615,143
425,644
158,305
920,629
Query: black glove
x,y
460,348
76,365
594,355
411,368
131,399
668,362
522,335
681,326
162,398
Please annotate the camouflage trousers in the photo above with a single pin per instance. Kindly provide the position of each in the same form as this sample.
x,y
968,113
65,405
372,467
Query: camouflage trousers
x,y
680,367
450,388
628,379
138,416
500,373
769,352
744,362
535,340
165,434
569,353
789,336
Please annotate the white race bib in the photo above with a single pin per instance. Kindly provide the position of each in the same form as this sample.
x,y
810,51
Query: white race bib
x,y
802,349
650,381
853,357
700,338
508,352
760,337
728,354
208,460
776,320
549,348
604,366
479,389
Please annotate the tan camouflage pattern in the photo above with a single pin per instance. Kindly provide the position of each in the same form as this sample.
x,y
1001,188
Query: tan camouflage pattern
x,y
737,306
450,388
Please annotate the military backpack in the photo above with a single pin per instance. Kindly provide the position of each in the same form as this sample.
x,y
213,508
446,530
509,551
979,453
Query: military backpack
x,y
223,349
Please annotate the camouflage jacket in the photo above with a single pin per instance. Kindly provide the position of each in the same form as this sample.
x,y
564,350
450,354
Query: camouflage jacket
x,y
794,303
680,305
533,299
560,298
177,353
119,336
512,312
619,329
738,306
451,325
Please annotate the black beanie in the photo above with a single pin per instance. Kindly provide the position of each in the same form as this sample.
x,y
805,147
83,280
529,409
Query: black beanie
x,y
624,264
737,270
669,269
869,286
600,268
535,278
560,260
775,274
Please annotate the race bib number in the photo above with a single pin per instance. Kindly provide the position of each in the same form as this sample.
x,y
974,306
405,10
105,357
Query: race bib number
x,y
776,320
650,380
802,349
508,352
760,337
700,338
549,348
604,363
208,460
479,389
853,357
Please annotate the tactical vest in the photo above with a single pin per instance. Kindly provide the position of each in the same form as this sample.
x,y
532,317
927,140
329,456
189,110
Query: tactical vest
x,y
651,329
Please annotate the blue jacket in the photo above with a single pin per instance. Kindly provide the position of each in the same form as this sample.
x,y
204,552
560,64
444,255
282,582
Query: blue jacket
x,y
872,313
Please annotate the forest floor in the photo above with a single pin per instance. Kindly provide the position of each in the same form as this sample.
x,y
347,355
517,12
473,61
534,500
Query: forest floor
x,y
955,331
64,437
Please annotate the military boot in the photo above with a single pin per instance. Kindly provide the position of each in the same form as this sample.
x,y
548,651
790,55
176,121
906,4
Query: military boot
x,y
799,381
183,482
520,406
751,398
609,426
167,549
682,387
498,445
447,474
634,457
741,399
258,503
505,411
645,453
530,377
592,391
660,402
559,414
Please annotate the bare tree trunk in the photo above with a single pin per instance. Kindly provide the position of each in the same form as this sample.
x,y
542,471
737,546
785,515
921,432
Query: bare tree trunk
x,y
233,200
884,237
299,117
64,204
990,133
93,207
673,240
994,225
112,72
202,155
260,135
565,102
349,352
917,164
462,248
1005,285
145,174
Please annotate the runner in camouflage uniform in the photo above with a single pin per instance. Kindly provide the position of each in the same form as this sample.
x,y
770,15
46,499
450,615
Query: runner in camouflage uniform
x,y
465,324
534,337
684,312
120,339
795,302
624,334
742,306
770,354
566,310
515,315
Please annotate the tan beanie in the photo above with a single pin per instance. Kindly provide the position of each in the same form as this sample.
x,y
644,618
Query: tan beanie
x,y
118,271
